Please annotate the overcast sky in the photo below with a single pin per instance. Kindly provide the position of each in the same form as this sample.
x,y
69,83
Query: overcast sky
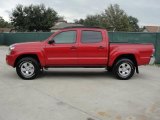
x,y
147,11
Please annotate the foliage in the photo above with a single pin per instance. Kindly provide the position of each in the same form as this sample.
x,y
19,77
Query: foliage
x,y
33,18
4,24
134,24
93,21
113,18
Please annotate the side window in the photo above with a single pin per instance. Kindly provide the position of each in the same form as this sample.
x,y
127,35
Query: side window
x,y
91,37
65,37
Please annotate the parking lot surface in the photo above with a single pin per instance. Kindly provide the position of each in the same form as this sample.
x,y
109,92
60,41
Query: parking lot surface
x,y
79,94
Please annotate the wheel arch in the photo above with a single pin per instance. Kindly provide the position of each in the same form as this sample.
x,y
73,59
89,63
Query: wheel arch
x,y
131,57
27,55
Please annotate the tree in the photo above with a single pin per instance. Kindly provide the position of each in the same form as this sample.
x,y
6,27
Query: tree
x,y
90,21
33,18
113,18
4,24
116,18
134,27
93,21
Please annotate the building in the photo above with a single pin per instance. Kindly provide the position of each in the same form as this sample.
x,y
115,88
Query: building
x,y
63,24
5,30
151,29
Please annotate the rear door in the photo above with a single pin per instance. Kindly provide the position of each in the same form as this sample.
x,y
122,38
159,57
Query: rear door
x,y
92,48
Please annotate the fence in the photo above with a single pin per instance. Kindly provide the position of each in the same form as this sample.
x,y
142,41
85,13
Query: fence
x,y
1,38
11,38
154,38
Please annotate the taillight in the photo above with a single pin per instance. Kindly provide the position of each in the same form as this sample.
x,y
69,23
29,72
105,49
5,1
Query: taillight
x,y
153,51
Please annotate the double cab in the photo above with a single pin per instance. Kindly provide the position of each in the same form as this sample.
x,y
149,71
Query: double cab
x,y
78,48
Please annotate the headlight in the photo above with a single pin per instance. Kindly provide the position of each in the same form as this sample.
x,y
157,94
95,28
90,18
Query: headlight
x,y
10,49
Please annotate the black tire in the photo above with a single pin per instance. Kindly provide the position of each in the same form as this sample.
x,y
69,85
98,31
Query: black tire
x,y
32,65
124,69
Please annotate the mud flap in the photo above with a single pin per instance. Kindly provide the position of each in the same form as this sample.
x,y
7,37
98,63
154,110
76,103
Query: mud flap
x,y
137,70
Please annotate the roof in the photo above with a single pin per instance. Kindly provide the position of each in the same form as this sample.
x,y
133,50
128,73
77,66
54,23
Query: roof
x,y
152,28
83,27
61,25
5,30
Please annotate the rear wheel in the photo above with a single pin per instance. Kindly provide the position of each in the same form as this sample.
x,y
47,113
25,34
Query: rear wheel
x,y
28,68
124,69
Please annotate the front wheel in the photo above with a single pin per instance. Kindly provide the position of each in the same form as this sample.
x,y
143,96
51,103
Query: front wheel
x,y
27,68
124,69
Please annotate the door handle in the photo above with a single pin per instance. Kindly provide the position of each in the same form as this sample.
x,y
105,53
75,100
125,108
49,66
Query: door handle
x,y
101,47
73,47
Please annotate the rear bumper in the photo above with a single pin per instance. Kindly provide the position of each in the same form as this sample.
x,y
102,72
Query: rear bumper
x,y
146,61
152,60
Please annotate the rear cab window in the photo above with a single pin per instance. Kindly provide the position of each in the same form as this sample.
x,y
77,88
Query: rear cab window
x,y
89,36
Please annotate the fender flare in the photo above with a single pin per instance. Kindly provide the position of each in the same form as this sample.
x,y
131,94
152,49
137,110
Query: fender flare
x,y
120,52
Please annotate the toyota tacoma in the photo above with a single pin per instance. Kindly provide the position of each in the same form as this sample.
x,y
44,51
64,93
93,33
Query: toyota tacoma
x,y
78,47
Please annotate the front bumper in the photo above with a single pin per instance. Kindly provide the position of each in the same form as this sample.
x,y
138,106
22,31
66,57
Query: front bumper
x,y
10,60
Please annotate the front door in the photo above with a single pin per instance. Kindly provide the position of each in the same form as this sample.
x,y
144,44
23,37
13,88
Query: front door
x,y
63,52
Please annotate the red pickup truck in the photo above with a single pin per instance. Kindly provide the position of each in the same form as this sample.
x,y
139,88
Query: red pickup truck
x,y
79,47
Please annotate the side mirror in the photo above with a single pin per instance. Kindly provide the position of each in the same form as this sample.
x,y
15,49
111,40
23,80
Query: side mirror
x,y
51,42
